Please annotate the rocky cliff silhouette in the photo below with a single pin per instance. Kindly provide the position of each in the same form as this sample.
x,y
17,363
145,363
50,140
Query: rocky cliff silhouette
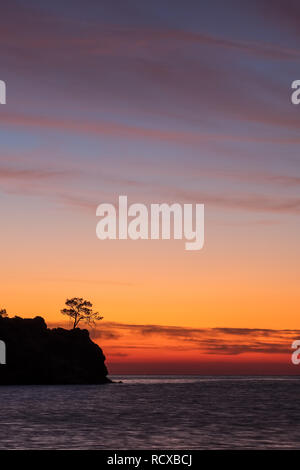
x,y
36,354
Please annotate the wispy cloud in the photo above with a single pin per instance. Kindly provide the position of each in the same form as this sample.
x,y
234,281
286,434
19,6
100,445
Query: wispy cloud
x,y
30,174
242,201
211,341
112,129
32,181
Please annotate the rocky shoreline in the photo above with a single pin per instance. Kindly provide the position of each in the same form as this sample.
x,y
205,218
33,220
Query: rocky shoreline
x,y
39,355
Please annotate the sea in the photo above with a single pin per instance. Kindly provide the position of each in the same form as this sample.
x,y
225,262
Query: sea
x,y
154,412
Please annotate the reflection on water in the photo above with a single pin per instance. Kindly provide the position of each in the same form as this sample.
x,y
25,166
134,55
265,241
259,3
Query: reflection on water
x,y
162,412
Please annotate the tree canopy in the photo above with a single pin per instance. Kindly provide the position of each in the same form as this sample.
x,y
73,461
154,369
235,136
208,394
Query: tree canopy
x,y
3,313
79,310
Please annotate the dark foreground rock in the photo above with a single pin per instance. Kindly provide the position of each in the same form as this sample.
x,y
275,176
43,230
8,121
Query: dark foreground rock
x,y
36,354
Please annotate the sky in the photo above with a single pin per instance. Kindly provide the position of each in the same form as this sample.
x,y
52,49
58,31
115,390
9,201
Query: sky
x,y
163,101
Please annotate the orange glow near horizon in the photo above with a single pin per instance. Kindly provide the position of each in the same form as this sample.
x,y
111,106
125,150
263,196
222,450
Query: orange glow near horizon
x,y
158,283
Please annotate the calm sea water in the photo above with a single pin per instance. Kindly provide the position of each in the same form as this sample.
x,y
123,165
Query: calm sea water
x,y
154,412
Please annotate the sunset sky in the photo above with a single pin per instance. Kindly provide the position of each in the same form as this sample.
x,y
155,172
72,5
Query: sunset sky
x,y
163,101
